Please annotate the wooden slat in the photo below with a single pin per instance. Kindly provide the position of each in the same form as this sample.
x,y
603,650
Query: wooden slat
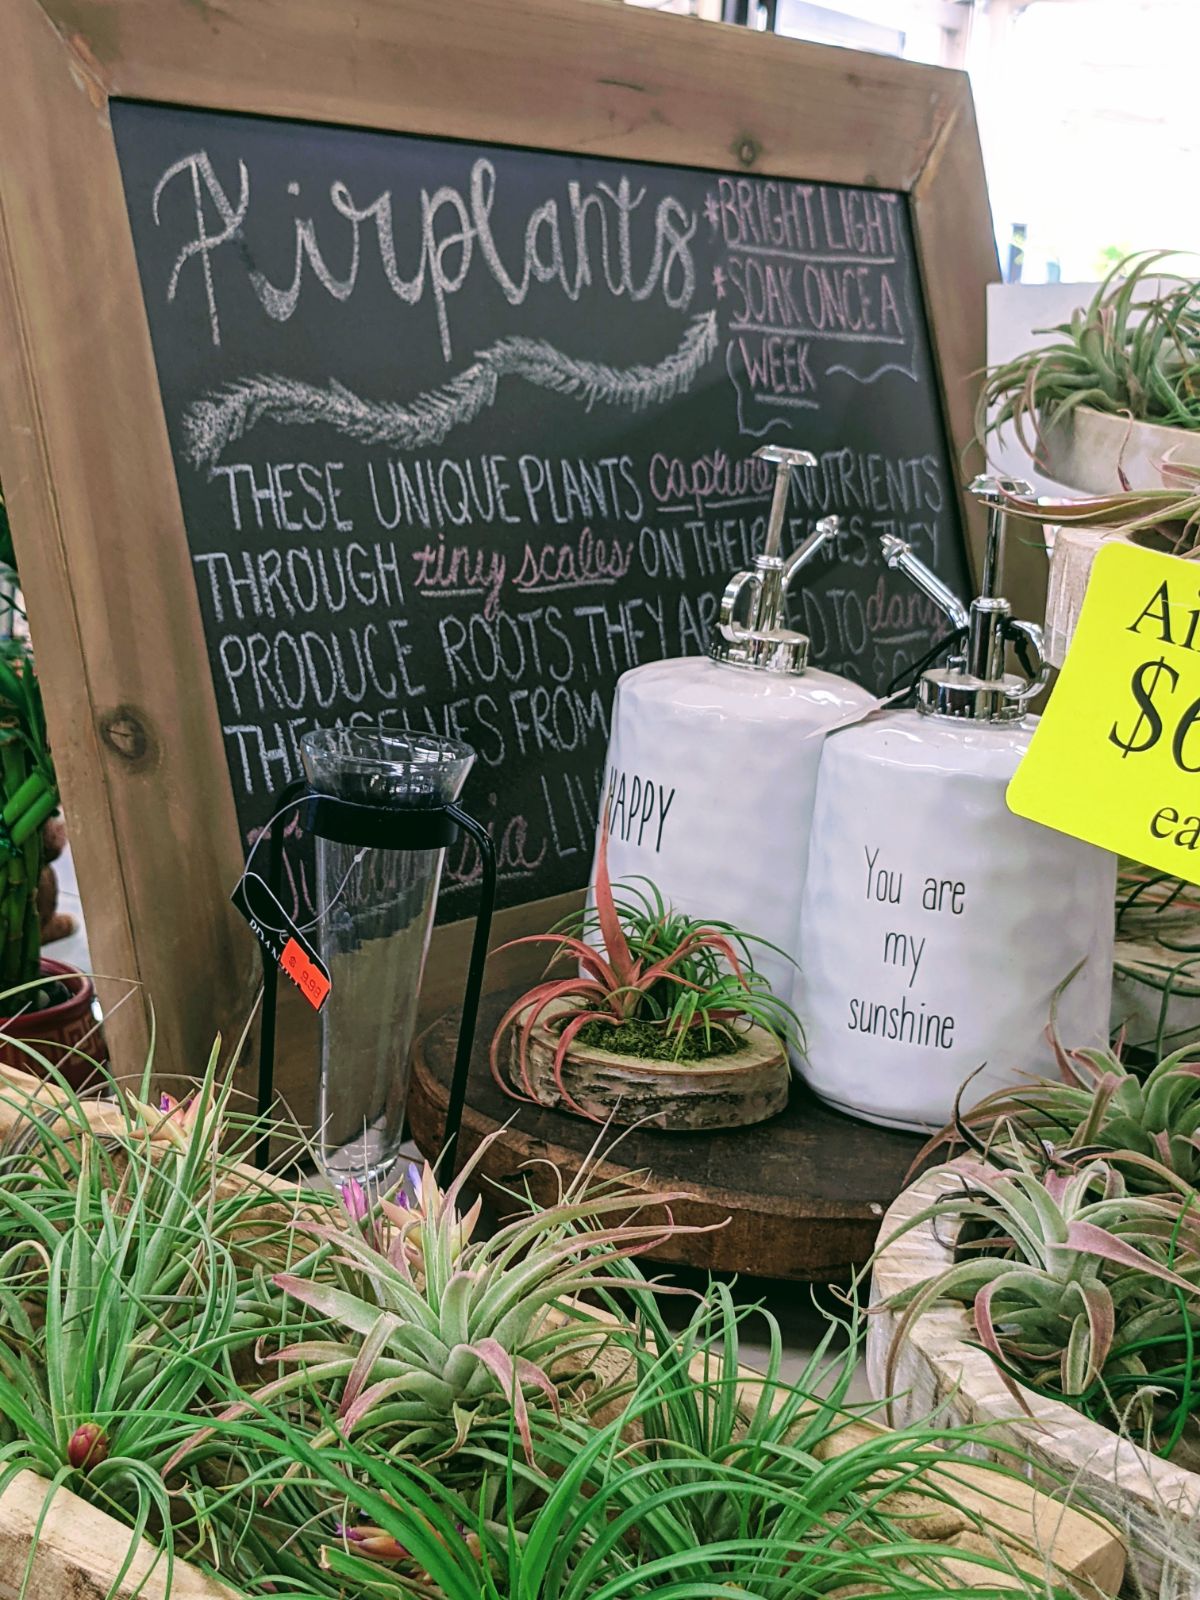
x,y
594,76
80,1551
952,224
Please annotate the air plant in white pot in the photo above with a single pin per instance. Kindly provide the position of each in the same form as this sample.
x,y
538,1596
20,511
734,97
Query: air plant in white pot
x,y
1117,392
1110,409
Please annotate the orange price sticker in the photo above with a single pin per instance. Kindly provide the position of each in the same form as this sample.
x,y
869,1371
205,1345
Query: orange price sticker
x,y
305,974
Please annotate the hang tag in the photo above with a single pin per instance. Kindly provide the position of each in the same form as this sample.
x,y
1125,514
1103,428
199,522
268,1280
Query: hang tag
x,y
282,939
1114,758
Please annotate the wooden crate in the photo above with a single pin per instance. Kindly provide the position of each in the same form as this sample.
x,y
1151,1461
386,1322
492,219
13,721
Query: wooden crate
x,y
940,1364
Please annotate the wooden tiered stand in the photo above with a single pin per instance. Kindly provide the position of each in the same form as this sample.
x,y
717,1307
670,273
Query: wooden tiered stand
x,y
800,1196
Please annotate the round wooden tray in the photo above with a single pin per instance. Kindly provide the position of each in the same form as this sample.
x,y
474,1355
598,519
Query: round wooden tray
x,y
804,1193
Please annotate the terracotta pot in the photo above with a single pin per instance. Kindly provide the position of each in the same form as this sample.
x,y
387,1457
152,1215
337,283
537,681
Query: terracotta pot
x,y
940,1364
724,1092
58,1032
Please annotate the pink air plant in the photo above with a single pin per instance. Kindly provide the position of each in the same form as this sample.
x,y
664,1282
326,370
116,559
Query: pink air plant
x,y
374,1542
479,1331
1057,1248
354,1198
614,985
87,1447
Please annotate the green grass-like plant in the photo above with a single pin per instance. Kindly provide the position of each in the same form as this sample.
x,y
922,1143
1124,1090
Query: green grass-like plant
x,y
150,1285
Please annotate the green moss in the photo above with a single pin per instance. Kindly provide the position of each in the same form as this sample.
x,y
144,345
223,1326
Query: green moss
x,y
650,1042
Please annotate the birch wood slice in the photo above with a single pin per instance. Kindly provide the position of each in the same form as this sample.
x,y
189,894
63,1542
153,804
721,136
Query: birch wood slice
x,y
939,1364
687,1096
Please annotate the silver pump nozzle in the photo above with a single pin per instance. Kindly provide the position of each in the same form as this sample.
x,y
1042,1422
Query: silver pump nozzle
x,y
900,556
974,684
761,639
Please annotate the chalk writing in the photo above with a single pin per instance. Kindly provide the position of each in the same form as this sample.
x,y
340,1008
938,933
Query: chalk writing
x,y
464,433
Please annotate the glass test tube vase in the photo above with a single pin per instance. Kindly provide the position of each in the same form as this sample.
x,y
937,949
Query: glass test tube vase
x,y
376,917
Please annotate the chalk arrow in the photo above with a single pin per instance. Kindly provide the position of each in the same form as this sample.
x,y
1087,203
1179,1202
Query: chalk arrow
x,y
223,416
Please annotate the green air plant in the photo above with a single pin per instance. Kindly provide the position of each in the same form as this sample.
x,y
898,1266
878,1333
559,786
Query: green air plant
x,y
1145,1124
1133,351
704,1482
1078,1289
644,968
28,796
433,1329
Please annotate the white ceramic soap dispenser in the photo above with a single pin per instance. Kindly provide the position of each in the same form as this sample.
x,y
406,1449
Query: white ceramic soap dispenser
x,y
712,762
936,925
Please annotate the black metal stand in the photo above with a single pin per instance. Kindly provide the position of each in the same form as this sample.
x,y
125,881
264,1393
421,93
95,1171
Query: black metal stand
x,y
383,828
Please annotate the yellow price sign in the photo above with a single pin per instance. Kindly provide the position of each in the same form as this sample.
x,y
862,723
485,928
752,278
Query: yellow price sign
x,y
1115,759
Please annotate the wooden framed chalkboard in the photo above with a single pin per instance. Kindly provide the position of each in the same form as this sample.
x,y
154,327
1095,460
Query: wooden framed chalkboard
x,y
407,359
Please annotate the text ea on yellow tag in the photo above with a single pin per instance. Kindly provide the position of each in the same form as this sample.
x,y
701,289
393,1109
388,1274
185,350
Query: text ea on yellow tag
x,y
1116,757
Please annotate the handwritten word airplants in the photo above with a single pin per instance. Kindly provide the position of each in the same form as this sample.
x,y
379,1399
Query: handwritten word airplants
x,y
639,960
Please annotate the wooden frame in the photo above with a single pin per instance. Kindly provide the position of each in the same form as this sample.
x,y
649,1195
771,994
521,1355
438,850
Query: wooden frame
x,y
84,454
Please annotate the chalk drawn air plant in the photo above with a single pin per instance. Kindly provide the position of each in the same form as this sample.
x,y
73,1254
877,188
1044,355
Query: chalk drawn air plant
x,y
690,981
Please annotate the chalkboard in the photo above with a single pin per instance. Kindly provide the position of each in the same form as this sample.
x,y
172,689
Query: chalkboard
x,y
463,432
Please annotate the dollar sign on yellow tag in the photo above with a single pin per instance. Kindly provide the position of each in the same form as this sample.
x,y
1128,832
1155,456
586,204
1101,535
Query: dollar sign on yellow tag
x,y
1143,693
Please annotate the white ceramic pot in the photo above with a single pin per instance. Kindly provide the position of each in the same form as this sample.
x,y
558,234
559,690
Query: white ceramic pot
x,y
936,925
709,786
940,1367
1090,451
